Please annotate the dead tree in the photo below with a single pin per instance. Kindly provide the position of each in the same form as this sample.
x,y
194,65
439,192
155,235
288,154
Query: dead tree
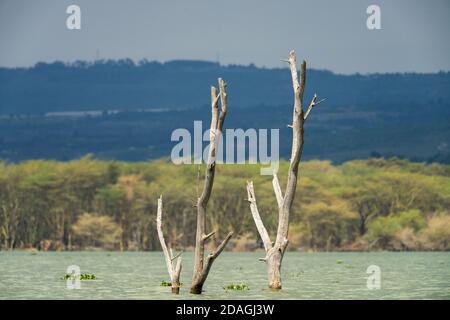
x,y
202,265
275,251
174,270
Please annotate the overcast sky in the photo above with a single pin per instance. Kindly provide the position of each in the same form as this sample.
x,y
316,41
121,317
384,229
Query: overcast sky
x,y
329,34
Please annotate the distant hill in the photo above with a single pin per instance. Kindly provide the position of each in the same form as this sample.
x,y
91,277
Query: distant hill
x,y
43,110
124,85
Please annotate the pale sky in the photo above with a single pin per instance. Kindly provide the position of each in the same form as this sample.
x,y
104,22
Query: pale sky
x,y
329,34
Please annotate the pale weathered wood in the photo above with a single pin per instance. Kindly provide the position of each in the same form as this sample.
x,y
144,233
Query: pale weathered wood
x,y
312,104
257,218
207,236
202,267
174,270
275,252
223,104
277,190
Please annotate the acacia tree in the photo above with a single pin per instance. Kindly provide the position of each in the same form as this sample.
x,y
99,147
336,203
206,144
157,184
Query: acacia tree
x,y
202,266
275,251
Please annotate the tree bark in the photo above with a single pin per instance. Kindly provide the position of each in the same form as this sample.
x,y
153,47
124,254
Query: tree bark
x,y
174,270
275,251
202,266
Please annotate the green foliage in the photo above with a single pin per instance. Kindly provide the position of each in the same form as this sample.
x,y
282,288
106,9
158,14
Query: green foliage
x,y
166,283
387,230
437,234
96,230
412,219
83,276
236,286
327,225
85,203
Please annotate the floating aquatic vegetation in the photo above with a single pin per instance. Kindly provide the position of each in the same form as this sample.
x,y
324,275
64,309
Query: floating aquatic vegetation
x,y
167,284
83,276
239,286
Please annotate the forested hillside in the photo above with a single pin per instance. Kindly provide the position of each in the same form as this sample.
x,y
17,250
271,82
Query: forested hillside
x,y
358,205
125,85
135,107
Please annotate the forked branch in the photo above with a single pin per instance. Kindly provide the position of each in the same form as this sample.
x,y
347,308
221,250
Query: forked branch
x,y
174,270
312,104
202,267
275,251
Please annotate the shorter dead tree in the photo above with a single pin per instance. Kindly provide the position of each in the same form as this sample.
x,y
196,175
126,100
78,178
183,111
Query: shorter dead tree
x,y
275,251
174,270
202,266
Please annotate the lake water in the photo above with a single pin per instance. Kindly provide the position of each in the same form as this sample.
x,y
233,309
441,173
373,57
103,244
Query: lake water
x,y
137,275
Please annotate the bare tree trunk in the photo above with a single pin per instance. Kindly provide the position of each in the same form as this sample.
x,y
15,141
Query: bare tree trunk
x,y
201,266
174,270
275,251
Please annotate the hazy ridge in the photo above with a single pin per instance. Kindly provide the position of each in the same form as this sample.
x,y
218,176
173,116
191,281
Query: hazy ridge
x,y
406,115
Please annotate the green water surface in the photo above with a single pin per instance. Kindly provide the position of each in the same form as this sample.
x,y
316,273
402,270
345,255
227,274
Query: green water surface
x,y
137,275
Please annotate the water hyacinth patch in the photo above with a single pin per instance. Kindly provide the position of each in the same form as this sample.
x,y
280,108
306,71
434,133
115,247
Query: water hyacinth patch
x,y
238,287
167,284
83,276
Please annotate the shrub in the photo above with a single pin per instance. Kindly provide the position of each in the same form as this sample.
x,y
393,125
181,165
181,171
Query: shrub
x,y
396,231
96,231
437,235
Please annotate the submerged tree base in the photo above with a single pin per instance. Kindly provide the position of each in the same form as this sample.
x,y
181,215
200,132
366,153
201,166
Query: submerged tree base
x,y
275,287
175,286
176,290
196,289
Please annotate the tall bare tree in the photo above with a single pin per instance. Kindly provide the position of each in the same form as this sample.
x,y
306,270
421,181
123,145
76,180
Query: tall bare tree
x,y
275,251
174,270
202,266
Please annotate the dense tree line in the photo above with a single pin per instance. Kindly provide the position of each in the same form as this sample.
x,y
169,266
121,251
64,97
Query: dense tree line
x,y
358,205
